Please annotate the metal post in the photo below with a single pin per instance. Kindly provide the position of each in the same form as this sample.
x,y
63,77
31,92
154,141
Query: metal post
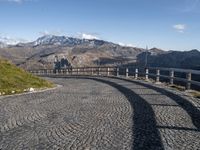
x,y
146,74
108,71
83,71
99,71
146,57
136,73
67,71
117,72
127,72
157,75
189,77
171,73
77,71
92,71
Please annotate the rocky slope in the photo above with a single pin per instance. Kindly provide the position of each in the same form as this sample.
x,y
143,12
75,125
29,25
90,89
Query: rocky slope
x,y
173,59
41,53
79,52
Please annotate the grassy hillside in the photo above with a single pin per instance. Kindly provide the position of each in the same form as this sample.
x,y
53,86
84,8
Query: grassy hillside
x,y
16,79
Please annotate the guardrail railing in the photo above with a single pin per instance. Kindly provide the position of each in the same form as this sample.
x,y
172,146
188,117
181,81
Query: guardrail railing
x,y
150,72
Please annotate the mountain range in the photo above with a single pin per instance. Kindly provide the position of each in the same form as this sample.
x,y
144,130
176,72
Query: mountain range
x,y
41,53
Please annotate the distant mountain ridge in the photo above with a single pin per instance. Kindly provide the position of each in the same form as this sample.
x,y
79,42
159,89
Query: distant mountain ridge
x,y
66,41
52,40
174,59
5,41
41,53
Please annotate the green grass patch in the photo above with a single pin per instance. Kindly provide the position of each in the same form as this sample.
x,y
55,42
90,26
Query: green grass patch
x,y
16,79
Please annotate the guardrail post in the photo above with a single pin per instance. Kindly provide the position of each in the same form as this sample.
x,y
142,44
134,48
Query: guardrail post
x,y
127,72
189,77
86,71
108,71
92,71
117,71
83,71
136,73
146,74
157,75
171,74
99,71
72,69
77,71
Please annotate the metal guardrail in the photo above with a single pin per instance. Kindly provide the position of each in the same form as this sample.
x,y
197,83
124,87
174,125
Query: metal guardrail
x,y
128,71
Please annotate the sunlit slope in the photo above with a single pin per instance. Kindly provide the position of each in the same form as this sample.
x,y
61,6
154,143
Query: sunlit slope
x,y
16,80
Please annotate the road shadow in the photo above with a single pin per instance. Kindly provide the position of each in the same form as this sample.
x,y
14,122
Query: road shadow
x,y
191,110
146,135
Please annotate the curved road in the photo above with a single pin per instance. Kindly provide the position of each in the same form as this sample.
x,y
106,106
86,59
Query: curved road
x,y
100,113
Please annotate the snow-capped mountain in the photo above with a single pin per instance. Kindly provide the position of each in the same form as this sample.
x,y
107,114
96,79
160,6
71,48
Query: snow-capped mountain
x,y
66,41
5,41
9,41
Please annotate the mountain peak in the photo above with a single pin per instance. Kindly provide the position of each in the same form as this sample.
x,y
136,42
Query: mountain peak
x,y
66,41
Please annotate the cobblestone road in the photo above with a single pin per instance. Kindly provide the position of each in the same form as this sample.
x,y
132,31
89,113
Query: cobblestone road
x,y
100,113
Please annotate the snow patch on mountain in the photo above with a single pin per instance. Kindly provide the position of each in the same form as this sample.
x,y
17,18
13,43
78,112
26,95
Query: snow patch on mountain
x,y
66,41
88,36
10,41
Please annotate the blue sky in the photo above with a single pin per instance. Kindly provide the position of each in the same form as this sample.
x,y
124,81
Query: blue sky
x,y
166,24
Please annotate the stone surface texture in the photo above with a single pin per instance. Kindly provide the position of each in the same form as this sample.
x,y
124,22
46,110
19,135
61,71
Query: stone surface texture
x,y
99,113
